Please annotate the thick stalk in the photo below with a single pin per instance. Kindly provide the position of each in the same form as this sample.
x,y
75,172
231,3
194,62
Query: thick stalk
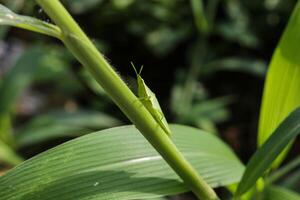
x,y
83,49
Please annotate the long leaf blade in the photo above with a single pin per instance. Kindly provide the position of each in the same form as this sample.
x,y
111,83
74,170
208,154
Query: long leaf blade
x,y
284,170
117,164
13,83
18,78
63,124
7,155
269,151
7,17
292,181
282,89
280,193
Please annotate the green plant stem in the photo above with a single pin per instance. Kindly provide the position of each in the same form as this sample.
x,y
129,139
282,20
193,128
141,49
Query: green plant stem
x,y
83,49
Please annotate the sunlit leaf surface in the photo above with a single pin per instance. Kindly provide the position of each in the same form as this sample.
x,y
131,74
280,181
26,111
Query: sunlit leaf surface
x,y
282,87
118,163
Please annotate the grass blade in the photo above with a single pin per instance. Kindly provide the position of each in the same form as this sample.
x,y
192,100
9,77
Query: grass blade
x,y
8,156
280,193
18,78
269,151
199,16
118,164
15,6
282,88
292,181
7,17
13,83
284,170
246,65
63,124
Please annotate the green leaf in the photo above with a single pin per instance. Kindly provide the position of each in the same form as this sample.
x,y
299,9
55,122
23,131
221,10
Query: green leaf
x,y
251,66
7,155
15,6
282,88
269,151
118,163
18,78
163,39
284,170
199,16
14,82
5,128
7,17
122,4
237,28
212,109
280,193
205,114
292,181
63,124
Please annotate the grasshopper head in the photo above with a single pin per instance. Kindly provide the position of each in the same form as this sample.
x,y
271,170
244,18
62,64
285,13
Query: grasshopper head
x,y
142,88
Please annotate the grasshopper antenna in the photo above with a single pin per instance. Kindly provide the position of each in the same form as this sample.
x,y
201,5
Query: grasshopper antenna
x,y
136,72
141,69
134,68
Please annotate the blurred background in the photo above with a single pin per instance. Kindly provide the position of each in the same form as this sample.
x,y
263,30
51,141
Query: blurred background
x,y
206,62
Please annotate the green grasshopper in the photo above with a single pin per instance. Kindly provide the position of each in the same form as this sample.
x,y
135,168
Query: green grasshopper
x,y
148,99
